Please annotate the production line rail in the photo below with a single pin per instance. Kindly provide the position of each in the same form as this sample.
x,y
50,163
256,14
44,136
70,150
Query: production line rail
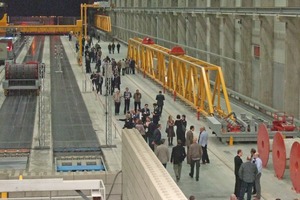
x,y
17,113
72,129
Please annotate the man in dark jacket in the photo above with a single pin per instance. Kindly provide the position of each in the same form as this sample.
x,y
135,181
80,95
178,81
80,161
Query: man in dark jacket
x,y
156,114
247,174
177,157
145,113
132,66
160,101
150,127
237,164
157,136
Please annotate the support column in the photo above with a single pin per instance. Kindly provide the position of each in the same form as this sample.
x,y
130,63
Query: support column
x,y
143,24
201,3
266,56
191,38
166,29
214,35
181,29
228,66
160,4
227,45
245,70
159,28
174,28
131,27
291,71
201,36
154,19
126,25
192,3
148,24
182,3
167,3
214,39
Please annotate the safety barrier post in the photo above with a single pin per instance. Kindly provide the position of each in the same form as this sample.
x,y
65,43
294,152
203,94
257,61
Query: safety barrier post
x,y
198,114
3,195
174,95
231,140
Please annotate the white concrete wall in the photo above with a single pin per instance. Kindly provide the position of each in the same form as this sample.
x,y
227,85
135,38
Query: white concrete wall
x,y
144,177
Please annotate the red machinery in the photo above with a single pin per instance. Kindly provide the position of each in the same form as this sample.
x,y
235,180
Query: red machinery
x,y
283,122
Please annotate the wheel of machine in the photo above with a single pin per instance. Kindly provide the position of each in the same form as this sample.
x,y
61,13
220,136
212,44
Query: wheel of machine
x,y
295,166
263,144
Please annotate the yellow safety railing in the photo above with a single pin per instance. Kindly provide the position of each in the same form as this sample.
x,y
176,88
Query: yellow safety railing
x,y
102,22
185,76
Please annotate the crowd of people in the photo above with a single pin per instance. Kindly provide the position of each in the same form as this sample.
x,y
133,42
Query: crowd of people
x,y
147,122
247,175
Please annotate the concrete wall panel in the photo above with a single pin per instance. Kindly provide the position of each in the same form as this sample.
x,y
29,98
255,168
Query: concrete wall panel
x,y
144,172
202,3
292,70
278,86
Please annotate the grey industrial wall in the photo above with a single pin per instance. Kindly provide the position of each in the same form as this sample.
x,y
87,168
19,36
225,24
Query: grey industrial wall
x,y
228,40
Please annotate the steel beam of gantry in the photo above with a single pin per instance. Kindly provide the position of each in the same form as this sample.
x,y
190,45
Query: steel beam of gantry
x,y
102,22
45,29
83,13
185,76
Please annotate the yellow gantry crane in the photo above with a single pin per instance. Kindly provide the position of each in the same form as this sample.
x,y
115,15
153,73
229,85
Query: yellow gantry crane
x,y
185,76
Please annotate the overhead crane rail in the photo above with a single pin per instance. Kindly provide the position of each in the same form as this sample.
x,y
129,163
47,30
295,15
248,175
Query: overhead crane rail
x,y
45,29
185,76
251,11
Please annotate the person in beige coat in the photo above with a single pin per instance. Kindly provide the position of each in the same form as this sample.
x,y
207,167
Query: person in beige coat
x,y
162,153
195,153
189,141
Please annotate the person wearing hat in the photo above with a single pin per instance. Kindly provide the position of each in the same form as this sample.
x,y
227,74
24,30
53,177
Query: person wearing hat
x,y
177,157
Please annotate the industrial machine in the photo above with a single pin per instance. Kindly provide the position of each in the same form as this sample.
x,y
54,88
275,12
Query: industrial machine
x,y
244,128
7,48
23,77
